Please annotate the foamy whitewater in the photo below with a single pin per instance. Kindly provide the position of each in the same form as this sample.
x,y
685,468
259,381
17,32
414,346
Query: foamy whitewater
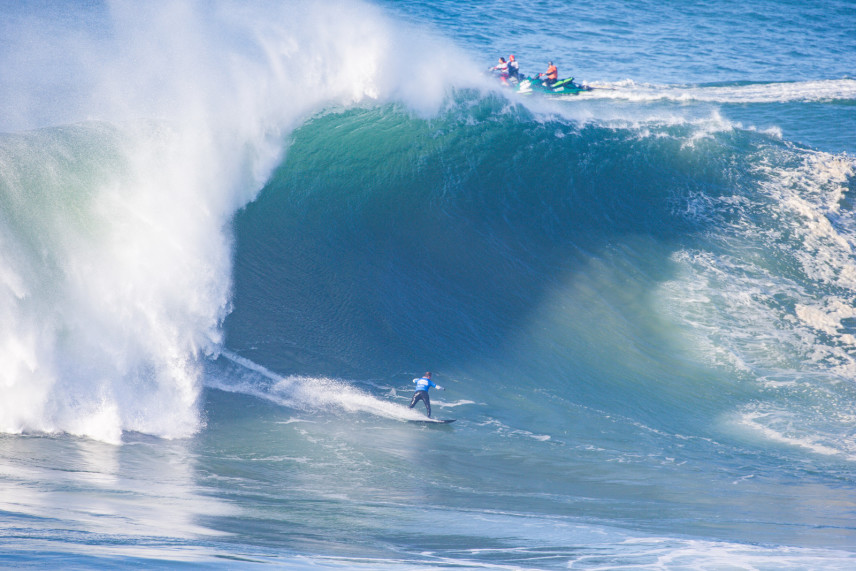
x,y
232,233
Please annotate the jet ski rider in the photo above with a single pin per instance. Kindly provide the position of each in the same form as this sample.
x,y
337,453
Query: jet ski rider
x,y
551,75
502,68
513,68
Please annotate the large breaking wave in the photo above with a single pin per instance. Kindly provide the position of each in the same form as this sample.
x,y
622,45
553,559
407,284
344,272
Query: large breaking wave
x,y
573,251
693,275
138,131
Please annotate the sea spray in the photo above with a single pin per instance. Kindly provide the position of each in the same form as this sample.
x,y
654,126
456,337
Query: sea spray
x,y
115,281
233,373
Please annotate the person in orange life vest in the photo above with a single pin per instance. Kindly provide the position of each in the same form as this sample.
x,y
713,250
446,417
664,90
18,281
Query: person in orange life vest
x,y
551,75
422,386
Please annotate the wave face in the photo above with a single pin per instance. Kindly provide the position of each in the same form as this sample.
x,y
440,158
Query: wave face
x,y
645,312
685,275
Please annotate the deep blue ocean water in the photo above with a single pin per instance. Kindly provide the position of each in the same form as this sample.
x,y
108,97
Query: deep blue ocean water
x,y
231,233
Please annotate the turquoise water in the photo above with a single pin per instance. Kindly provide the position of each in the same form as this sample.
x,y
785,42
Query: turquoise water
x,y
232,233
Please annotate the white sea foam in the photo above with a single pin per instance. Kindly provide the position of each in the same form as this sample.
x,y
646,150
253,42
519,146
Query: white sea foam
x,y
803,91
785,427
769,297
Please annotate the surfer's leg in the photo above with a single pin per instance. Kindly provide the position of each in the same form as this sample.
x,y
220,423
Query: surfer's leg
x,y
415,399
427,404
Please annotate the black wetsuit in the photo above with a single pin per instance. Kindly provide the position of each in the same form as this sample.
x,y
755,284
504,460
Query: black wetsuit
x,y
423,396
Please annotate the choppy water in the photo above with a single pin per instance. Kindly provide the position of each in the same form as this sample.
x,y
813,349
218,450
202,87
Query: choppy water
x,y
232,233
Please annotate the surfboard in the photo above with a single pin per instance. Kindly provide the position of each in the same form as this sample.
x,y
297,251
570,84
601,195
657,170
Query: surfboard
x,y
434,421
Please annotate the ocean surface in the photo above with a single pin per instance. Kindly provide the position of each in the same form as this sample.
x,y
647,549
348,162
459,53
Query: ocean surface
x,y
232,233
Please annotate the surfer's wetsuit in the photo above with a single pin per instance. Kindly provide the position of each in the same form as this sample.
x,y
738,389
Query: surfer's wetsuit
x,y
422,386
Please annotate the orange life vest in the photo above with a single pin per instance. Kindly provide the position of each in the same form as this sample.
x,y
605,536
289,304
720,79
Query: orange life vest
x,y
552,72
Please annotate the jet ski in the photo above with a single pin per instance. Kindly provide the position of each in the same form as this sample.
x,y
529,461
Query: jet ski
x,y
535,84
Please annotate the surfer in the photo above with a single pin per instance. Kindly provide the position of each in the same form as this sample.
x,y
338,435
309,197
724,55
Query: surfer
x,y
422,385
551,75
